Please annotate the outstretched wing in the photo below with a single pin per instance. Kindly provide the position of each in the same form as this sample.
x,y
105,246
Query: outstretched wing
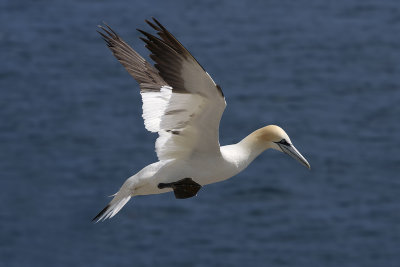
x,y
180,100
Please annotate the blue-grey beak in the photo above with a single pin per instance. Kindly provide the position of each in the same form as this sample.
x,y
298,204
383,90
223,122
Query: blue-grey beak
x,y
294,153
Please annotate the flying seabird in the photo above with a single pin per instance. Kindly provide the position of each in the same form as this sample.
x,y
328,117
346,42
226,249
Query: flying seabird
x,y
183,104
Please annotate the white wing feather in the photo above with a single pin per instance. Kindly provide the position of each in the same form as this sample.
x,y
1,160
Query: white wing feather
x,y
180,100
154,106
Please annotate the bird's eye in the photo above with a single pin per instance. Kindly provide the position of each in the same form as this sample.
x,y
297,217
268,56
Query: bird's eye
x,y
284,142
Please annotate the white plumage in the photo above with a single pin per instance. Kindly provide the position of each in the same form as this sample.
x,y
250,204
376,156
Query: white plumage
x,y
182,103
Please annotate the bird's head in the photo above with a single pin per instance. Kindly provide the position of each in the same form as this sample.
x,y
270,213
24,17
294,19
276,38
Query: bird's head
x,y
275,137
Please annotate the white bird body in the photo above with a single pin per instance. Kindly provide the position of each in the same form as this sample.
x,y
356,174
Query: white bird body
x,y
206,169
182,103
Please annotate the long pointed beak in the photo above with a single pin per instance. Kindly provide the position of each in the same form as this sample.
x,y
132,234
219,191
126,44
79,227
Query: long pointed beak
x,y
294,153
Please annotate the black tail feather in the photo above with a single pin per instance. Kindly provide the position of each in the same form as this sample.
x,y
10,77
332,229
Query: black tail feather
x,y
101,213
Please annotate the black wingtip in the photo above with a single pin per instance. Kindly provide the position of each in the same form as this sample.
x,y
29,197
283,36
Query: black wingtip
x,y
156,21
106,29
114,32
159,24
95,219
153,25
150,37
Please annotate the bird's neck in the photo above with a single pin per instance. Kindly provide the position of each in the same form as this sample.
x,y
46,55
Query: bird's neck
x,y
252,145
244,152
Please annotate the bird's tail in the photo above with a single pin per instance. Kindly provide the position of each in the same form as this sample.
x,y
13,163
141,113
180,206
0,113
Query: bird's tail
x,y
116,204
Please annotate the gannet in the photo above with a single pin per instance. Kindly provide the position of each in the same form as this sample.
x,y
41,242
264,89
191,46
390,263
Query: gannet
x,y
183,104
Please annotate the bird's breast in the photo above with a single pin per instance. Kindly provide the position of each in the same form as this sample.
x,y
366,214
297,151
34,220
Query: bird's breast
x,y
206,170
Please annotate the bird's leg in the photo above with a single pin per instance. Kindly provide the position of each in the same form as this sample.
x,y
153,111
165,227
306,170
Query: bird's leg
x,y
184,188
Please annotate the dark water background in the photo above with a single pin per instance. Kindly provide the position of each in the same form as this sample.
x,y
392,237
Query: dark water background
x,y
71,132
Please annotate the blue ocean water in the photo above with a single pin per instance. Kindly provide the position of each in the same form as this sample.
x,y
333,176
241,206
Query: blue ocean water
x,y
71,132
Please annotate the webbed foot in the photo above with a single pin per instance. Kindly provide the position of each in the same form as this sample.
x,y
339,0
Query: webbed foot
x,y
184,188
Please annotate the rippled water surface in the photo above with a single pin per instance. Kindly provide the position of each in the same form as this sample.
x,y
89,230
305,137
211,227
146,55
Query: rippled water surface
x,y
71,132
